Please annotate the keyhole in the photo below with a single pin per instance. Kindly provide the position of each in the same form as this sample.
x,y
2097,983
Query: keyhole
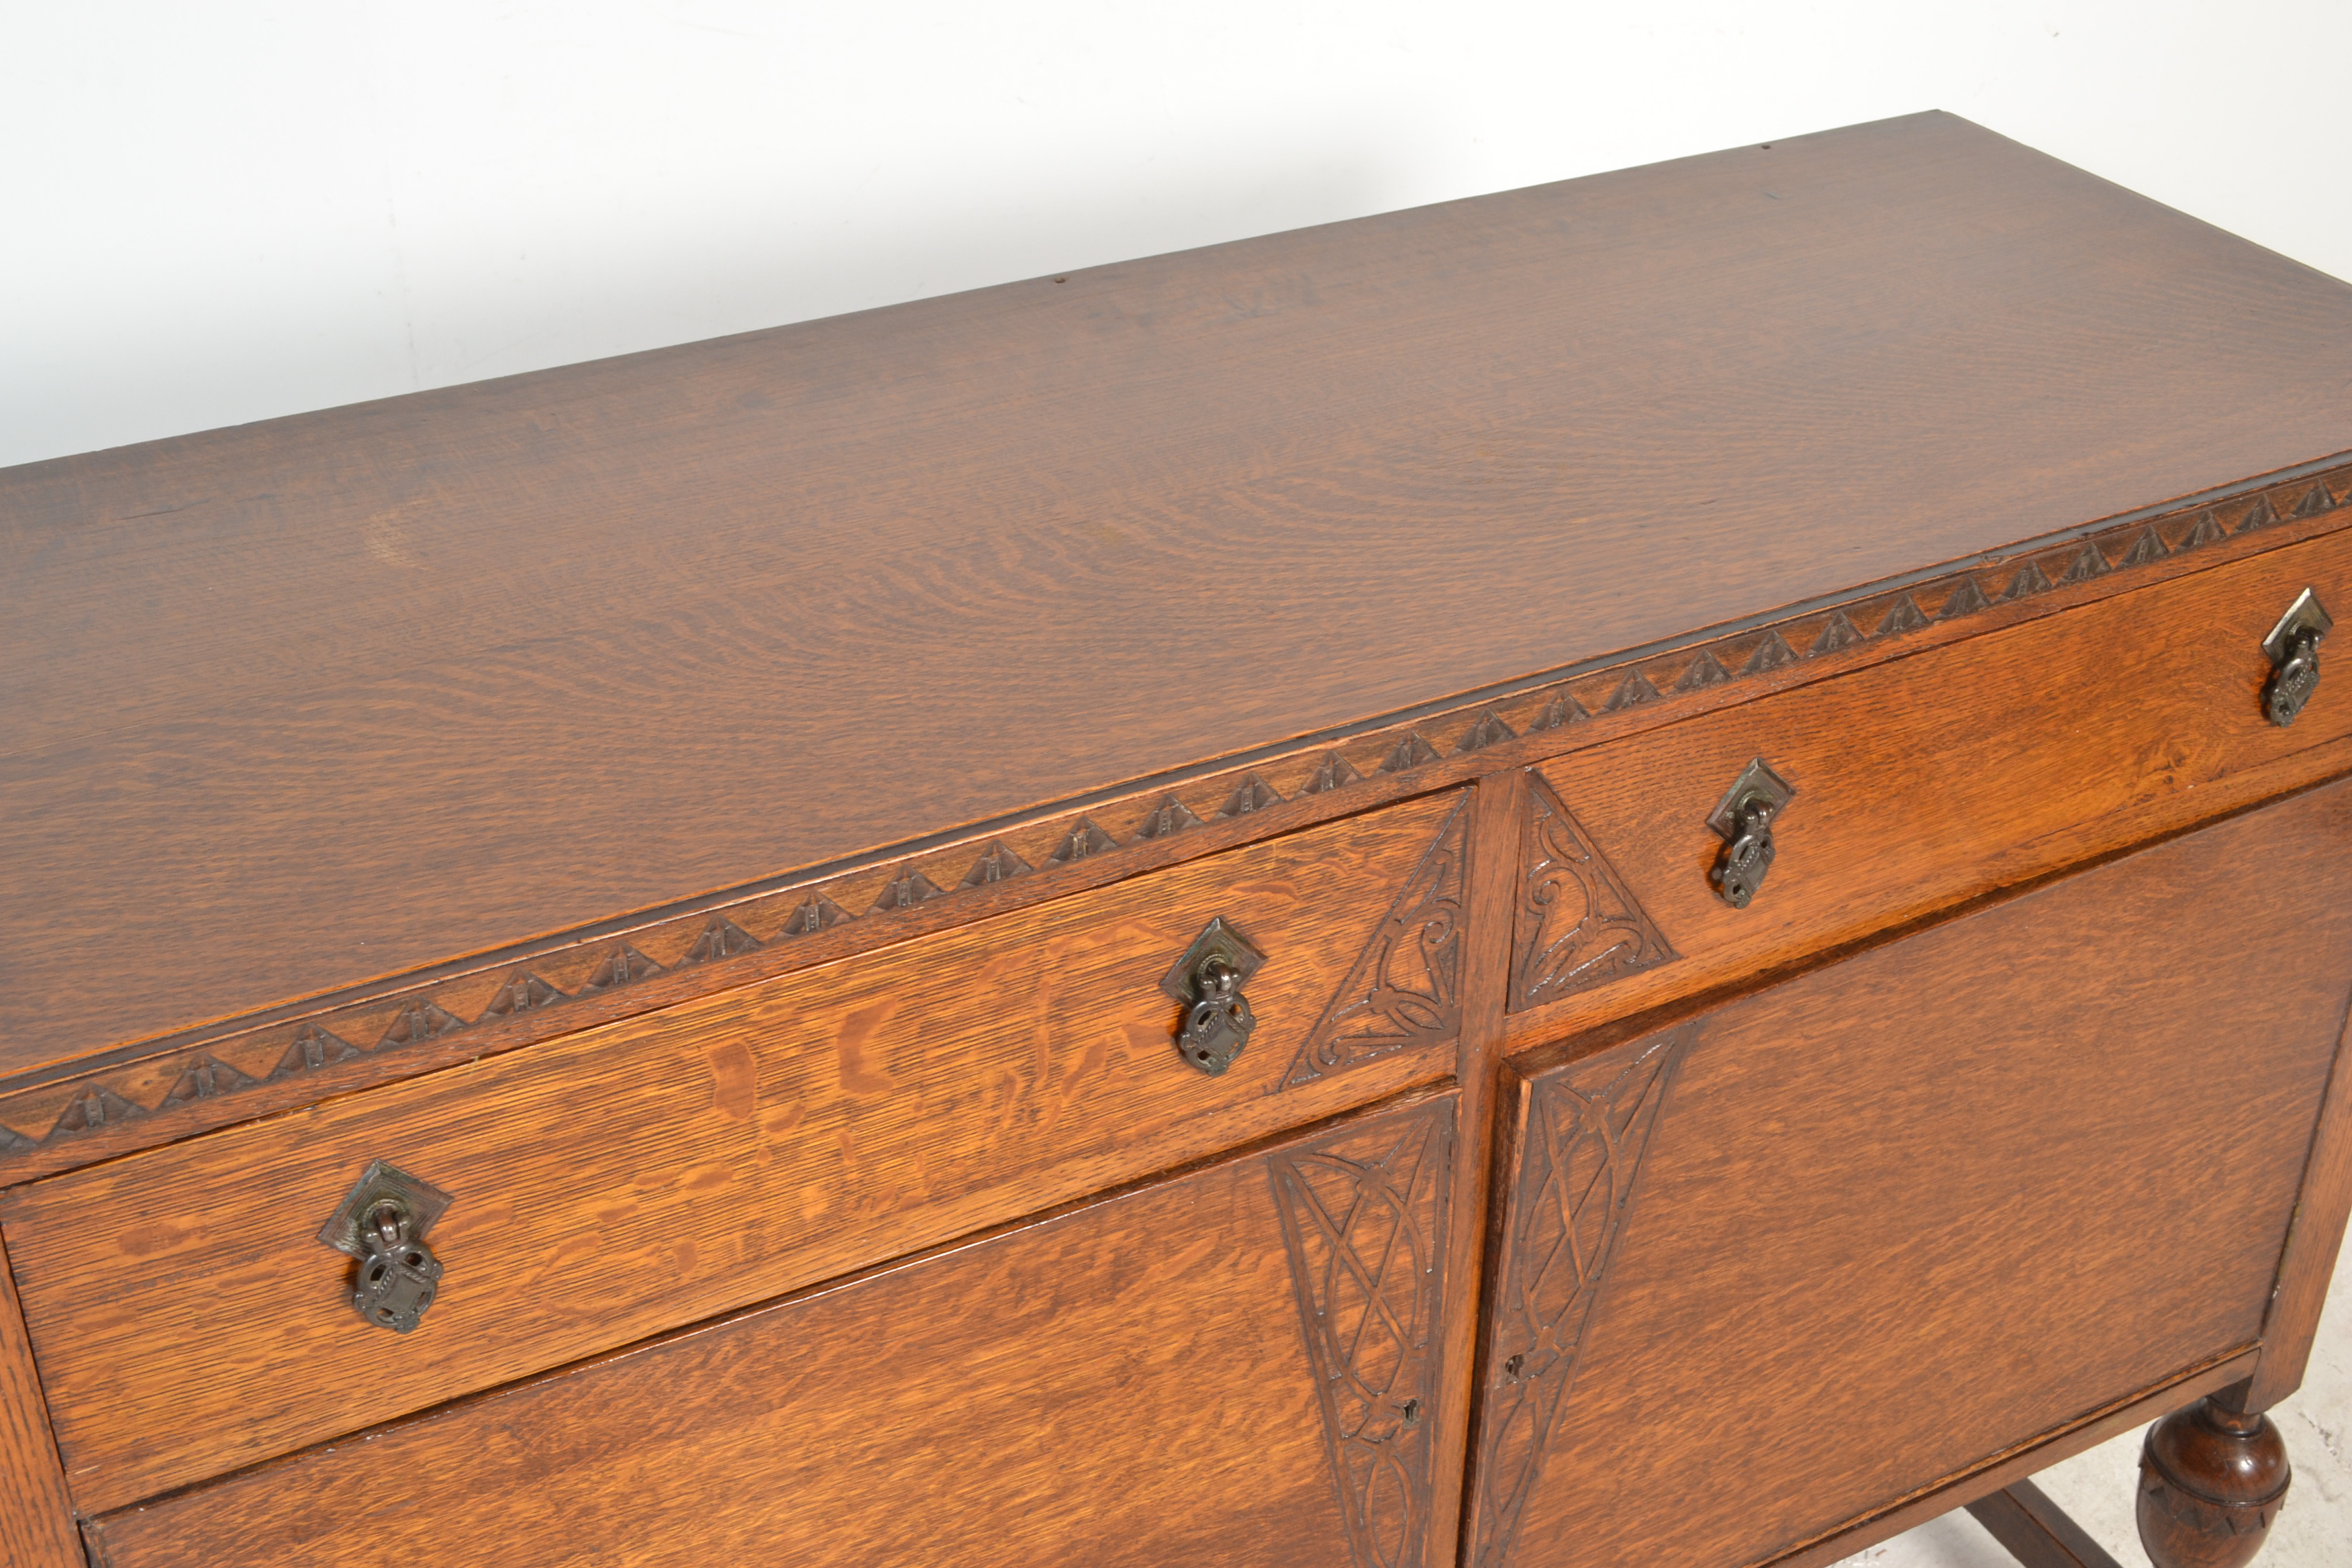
x,y
1413,1412
1513,1367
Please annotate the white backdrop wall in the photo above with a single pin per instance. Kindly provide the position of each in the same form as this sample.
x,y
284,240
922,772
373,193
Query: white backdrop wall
x,y
218,212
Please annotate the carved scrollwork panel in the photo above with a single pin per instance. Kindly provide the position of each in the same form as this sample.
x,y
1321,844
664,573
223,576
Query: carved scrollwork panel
x,y
1580,1158
1363,1219
1577,925
1406,990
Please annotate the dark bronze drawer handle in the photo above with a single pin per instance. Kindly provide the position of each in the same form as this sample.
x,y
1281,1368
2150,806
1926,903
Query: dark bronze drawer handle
x,y
382,1222
1208,980
1743,819
2294,649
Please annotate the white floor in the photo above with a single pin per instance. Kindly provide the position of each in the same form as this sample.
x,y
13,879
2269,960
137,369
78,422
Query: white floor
x,y
2314,1530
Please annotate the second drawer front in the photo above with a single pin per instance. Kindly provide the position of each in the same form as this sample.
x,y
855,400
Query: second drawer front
x,y
1921,783
654,1172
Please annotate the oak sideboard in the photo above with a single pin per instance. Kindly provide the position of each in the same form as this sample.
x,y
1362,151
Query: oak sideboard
x,y
1651,871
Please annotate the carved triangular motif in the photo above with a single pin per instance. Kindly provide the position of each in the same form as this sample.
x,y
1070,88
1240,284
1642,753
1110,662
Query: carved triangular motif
x,y
1084,838
1489,730
2262,514
1580,1161
1405,988
1253,793
1363,1215
1705,670
1170,816
2315,502
2145,549
1577,925
996,864
621,966
419,1020
1332,771
1965,600
91,1108
1906,616
202,1079
905,891
1771,654
1837,633
14,1142
2087,563
814,914
1409,753
311,1048
1559,712
520,994
722,938
1632,692
2028,581
2208,531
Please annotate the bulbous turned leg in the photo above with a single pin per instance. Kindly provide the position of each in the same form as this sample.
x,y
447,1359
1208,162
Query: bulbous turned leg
x,y
2211,1479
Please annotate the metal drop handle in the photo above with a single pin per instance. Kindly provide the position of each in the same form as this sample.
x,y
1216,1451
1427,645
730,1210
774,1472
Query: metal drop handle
x,y
382,1222
1208,980
1743,819
2293,648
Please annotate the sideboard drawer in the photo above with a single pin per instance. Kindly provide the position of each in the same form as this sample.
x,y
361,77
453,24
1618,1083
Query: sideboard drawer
x,y
1839,1241
651,1172
1239,1366
1921,782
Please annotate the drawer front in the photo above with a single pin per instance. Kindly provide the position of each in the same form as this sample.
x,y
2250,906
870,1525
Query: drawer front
x,y
1912,1209
652,1173
1234,1367
1920,782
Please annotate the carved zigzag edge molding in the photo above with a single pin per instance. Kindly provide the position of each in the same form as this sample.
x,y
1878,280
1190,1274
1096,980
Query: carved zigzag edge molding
x,y
35,1120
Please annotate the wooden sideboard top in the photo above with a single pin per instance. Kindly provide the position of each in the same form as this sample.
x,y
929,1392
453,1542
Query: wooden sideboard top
x,y
309,702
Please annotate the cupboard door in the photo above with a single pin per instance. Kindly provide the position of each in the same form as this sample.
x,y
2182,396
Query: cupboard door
x,y
1235,1366
1770,1270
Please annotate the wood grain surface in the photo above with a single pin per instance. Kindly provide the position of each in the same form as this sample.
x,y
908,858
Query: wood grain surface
x,y
321,699
36,1516
647,1174
1123,1384
1945,1183
158,1089
1926,781
2321,1211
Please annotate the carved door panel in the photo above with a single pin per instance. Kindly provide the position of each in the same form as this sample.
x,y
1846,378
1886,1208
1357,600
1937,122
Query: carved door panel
x,y
1766,1272
1234,1366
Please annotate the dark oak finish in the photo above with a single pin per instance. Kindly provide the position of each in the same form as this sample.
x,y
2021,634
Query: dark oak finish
x,y
1127,1383
37,1520
851,583
2312,1245
730,817
2064,1442
638,1177
1923,782
2036,1531
1949,1163
2211,1478
156,1091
